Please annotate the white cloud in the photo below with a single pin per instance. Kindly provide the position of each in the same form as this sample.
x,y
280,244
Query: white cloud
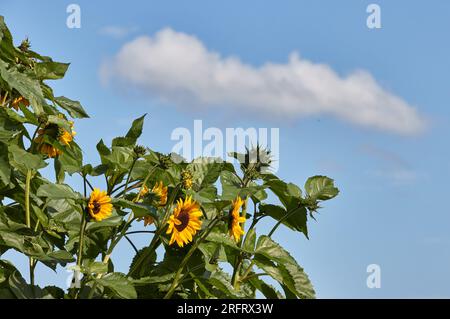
x,y
116,31
178,68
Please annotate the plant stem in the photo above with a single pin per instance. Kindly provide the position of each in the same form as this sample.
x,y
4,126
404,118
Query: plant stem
x,y
140,232
132,244
155,240
4,98
247,271
82,231
28,220
186,259
254,275
282,219
27,198
129,174
115,241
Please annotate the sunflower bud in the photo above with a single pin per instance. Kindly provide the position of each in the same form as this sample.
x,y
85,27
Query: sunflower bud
x,y
165,161
25,45
42,119
139,151
186,179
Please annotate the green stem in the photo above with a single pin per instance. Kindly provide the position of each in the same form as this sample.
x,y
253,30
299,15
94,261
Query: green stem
x,y
289,214
4,98
129,174
28,219
140,232
27,198
247,271
254,275
186,259
132,244
115,240
82,231
155,240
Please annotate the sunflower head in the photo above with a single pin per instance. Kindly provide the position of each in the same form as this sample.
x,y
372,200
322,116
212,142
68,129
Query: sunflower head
x,y
139,151
184,222
160,190
66,137
143,191
235,219
99,205
57,133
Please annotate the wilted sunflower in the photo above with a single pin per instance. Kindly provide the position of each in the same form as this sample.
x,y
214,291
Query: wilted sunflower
x,y
184,222
235,219
19,101
99,205
54,131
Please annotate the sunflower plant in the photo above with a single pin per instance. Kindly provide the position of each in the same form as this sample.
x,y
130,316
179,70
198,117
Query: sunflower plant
x,y
200,217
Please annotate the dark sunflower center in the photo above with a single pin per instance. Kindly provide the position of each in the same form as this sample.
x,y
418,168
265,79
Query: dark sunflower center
x,y
52,130
230,219
183,217
97,207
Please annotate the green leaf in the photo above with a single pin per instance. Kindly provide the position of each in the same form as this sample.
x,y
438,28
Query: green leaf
x,y
60,122
321,188
57,191
94,267
296,220
50,70
205,171
22,290
24,160
221,281
136,129
24,84
119,285
71,159
139,210
267,290
286,271
108,222
250,240
5,168
219,237
286,192
74,108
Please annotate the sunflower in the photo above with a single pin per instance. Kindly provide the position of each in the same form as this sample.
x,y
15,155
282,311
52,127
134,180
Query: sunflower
x,y
184,222
66,137
54,131
160,190
19,101
236,219
186,179
99,205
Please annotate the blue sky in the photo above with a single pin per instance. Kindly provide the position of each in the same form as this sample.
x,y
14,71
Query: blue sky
x,y
391,210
